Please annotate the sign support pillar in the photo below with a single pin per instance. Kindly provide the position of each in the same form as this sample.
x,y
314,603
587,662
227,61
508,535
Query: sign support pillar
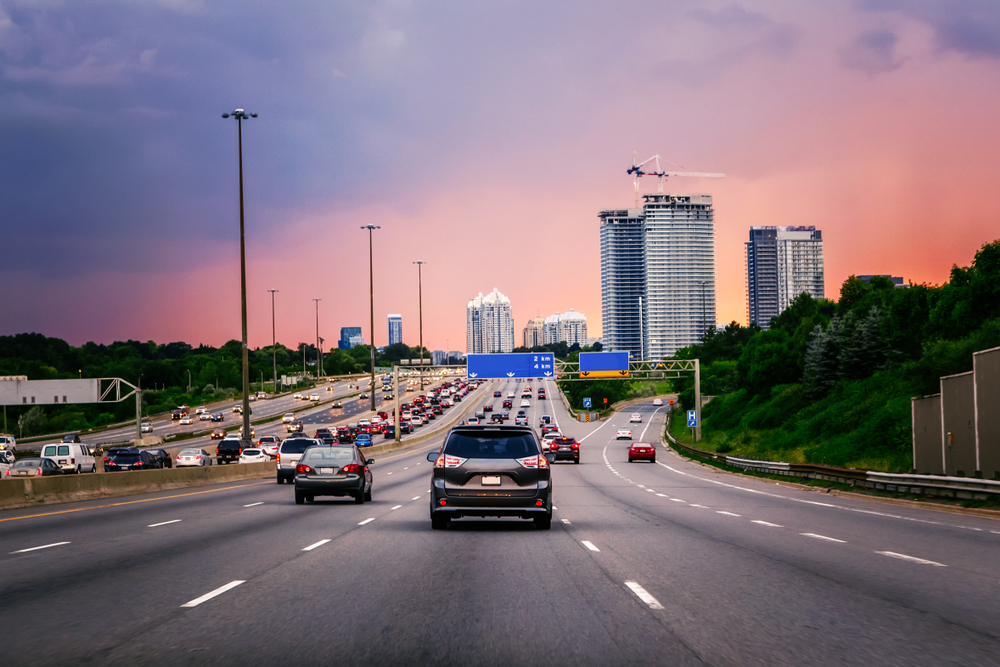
x,y
395,397
138,417
697,398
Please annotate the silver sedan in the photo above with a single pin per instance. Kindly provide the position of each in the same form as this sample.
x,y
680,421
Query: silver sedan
x,y
193,457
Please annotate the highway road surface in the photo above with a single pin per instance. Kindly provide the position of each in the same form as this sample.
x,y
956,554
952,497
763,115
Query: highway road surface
x,y
665,563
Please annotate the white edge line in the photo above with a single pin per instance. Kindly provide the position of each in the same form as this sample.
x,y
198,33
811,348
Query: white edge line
x,y
368,520
912,559
163,523
644,595
589,545
317,544
44,546
218,591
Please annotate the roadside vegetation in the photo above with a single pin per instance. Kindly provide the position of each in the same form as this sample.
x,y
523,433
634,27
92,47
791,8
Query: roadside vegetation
x,y
830,382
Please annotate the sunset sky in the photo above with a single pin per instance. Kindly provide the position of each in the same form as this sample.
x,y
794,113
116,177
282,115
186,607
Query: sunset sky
x,y
484,138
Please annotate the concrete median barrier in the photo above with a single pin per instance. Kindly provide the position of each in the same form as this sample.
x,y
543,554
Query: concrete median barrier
x,y
66,488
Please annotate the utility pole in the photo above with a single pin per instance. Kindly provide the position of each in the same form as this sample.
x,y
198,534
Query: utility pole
x,y
420,293
274,351
371,296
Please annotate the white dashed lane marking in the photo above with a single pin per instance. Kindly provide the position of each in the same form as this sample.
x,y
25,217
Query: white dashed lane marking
x,y
912,559
767,523
218,591
589,545
396,507
254,504
317,544
415,498
566,521
44,546
163,523
823,537
726,513
644,595
369,520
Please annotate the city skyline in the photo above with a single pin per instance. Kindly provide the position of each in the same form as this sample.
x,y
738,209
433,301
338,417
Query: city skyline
x,y
120,177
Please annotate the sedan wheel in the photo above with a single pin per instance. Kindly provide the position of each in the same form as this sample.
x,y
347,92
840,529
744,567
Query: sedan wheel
x,y
300,498
359,499
368,494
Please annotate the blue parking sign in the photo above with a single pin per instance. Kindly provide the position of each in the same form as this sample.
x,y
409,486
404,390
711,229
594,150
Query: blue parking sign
x,y
586,402
693,418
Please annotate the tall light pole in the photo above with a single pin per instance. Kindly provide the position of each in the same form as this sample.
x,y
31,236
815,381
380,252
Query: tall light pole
x,y
240,115
319,363
274,344
420,298
371,297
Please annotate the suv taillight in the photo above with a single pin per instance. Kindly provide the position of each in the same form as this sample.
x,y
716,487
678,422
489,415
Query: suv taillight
x,y
302,469
534,462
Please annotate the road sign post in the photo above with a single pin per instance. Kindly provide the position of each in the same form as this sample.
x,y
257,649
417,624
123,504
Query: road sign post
x,y
586,403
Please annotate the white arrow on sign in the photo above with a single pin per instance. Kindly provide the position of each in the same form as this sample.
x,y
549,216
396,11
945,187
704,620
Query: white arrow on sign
x,y
510,375
472,375
547,373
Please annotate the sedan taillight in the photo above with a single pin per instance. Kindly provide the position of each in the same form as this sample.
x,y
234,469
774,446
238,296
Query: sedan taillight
x,y
302,469
351,467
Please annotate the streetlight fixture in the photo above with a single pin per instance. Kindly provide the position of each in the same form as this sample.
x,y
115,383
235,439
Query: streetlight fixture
x,y
274,344
319,357
420,297
240,115
371,297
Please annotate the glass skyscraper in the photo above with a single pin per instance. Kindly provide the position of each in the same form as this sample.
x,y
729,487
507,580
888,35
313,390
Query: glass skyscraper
x,y
782,263
395,329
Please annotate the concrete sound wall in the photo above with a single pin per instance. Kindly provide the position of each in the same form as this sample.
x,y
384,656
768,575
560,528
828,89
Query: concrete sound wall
x,y
958,424
927,456
65,488
986,367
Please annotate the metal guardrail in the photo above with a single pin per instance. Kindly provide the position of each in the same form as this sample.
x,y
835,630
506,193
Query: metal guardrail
x,y
966,488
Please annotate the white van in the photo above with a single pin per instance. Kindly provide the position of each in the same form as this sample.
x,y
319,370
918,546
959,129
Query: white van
x,y
7,442
71,457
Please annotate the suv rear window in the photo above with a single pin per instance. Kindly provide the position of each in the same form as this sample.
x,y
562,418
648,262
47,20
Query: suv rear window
x,y
491,446
296,446
125,457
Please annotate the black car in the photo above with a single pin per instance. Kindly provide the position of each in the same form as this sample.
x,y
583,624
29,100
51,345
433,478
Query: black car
x,y
72,437
344,436
405,427
335,470
218,417
491,471
390,432
496,418
120,459
565,449
162,456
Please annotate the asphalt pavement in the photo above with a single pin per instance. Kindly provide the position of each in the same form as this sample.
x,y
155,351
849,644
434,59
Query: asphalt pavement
x,y
667,563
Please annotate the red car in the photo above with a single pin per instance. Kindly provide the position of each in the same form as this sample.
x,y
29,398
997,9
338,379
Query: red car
x,y
641,451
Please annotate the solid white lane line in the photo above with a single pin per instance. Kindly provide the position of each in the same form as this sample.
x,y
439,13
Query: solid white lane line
x,y
254,504
396,507
642,436
369,520
317,544
566,521
163,523
594,431
823,537
726,513
912,559
644,595
44,546
415,498
767,523
589,545
218,591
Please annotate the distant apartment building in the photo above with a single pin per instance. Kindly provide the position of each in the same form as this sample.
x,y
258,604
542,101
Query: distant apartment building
x,y
438,357
395,329
782,263
658,274
533,334
569,327
897,281
349,337
489,324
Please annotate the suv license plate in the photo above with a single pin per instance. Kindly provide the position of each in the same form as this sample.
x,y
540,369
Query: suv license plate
x,y
491,480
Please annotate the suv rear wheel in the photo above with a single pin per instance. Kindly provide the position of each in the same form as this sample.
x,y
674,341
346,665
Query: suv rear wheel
x,y
543,522
439,522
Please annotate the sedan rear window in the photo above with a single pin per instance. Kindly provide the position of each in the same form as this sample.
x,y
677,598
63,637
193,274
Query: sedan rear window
x,y
338,455
27,463
491,447
296,446
191,452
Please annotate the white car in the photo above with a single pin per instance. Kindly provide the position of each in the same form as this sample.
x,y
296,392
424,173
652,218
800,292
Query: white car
x,y
204,416
623,434
297,395
201,409
288,418
636,418
313,397
472,421
510,394
193,457
146,427
525,403
254,456
549,437
187,420
657,401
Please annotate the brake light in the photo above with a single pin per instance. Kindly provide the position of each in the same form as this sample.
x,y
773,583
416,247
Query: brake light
x,y
279,457
452,461
38,472
351,467
576,445
302,469
534,462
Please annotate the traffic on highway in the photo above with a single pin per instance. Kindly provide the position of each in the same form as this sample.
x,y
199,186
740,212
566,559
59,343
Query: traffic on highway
x,y
645,560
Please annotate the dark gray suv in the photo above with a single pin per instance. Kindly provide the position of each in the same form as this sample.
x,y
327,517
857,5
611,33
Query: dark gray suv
x,y
491,471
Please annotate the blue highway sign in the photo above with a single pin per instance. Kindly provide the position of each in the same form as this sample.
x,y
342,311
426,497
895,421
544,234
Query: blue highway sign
x,y
586,403
489,366
693,418
604,361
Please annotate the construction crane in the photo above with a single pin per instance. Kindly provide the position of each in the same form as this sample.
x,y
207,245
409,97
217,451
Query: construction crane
x,y
636,171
